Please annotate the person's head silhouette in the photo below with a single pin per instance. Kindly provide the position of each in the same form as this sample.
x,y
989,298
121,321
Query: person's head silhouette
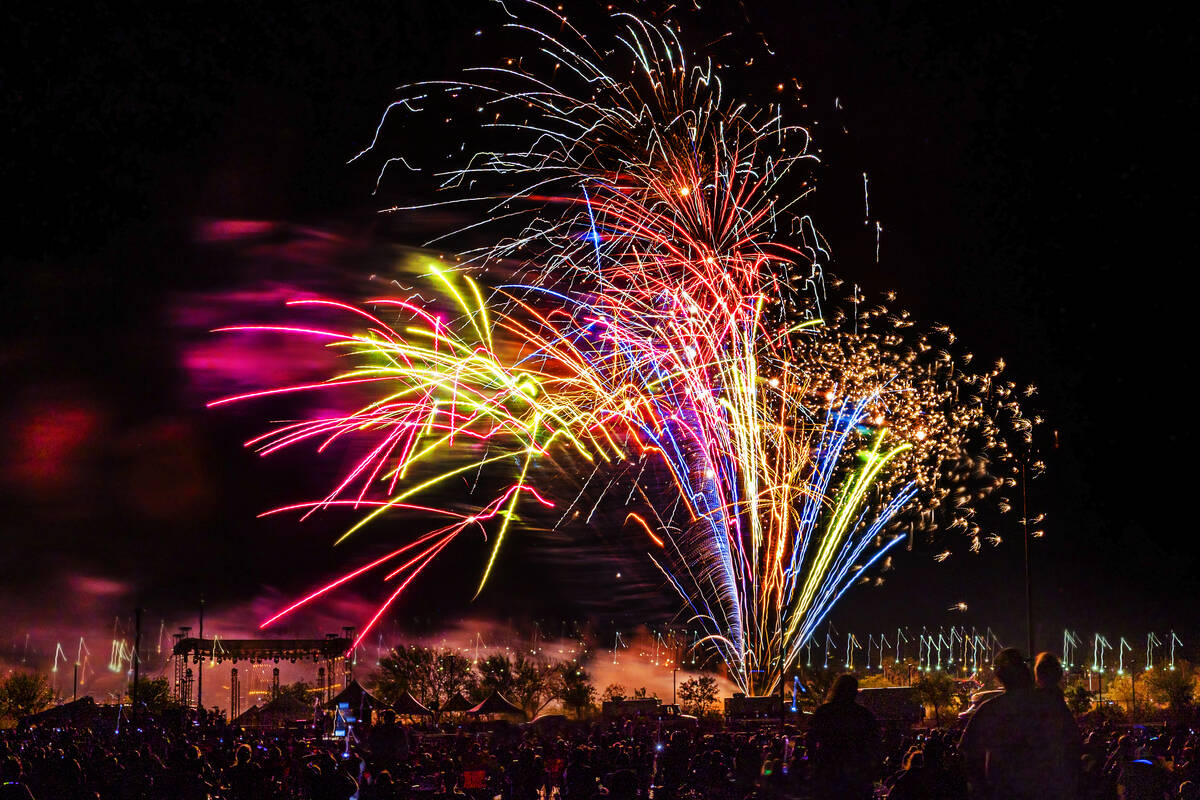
x,y
1012,670
844,689
1047,670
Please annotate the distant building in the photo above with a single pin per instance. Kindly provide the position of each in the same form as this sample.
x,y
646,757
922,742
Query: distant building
x,y
896,705
741,708
647,708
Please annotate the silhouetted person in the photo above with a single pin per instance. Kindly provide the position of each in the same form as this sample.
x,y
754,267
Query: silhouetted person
x,y
382,787
913,780
621,784
325,778
579,779
771,780
450,790
1048,674
187,776
844,738
243,778
1016,744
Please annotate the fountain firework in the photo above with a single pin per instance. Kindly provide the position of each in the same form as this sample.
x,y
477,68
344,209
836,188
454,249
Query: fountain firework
x,y
661,325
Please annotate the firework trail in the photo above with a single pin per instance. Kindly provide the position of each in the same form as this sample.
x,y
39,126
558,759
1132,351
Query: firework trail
x,y
663,327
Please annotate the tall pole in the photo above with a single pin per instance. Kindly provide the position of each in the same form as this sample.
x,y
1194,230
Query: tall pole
x,y
674,669
137,658
1028,581
200,674
782,706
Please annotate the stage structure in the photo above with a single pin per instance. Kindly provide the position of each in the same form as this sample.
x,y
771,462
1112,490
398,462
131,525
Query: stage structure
x,y
328,656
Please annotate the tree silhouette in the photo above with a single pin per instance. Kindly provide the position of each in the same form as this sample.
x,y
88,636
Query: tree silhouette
x,y
431,676
576,691
698,695
24,693
1175,688
300,691
154,693
612,692
817,683
527,682
1079,698
936,689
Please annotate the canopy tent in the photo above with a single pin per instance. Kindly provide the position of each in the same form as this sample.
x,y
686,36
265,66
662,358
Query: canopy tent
x,y
458,703
357,698
496,704
250,718
73,713
409,705
275,714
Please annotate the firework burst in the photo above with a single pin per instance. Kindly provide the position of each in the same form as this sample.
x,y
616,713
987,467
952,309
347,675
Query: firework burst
x,y
665,330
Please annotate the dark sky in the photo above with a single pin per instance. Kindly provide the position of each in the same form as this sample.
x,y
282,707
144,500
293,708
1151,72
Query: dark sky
x,y
1030,163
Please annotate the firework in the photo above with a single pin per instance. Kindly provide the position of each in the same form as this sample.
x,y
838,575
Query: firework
x,y
664,329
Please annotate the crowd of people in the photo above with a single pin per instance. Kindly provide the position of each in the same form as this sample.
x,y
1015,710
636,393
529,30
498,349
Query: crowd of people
x,y
1022,744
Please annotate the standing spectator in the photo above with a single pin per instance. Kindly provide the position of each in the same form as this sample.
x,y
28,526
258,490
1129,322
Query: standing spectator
x,y
579,779
243,778
326,780
771,783
1013,743
1064,780
844,738
913,781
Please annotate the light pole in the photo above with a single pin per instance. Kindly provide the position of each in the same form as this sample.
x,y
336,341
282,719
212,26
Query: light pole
x,y
674,668
200,673
782,703
1028,580
137,657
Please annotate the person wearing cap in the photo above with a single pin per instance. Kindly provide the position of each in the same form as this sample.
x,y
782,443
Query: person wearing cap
x,y
1013,747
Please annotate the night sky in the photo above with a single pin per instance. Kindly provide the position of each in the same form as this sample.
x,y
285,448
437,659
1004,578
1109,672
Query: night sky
x,y
1030,163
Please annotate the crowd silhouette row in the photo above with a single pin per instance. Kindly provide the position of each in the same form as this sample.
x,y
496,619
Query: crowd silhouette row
x,y
1023,743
